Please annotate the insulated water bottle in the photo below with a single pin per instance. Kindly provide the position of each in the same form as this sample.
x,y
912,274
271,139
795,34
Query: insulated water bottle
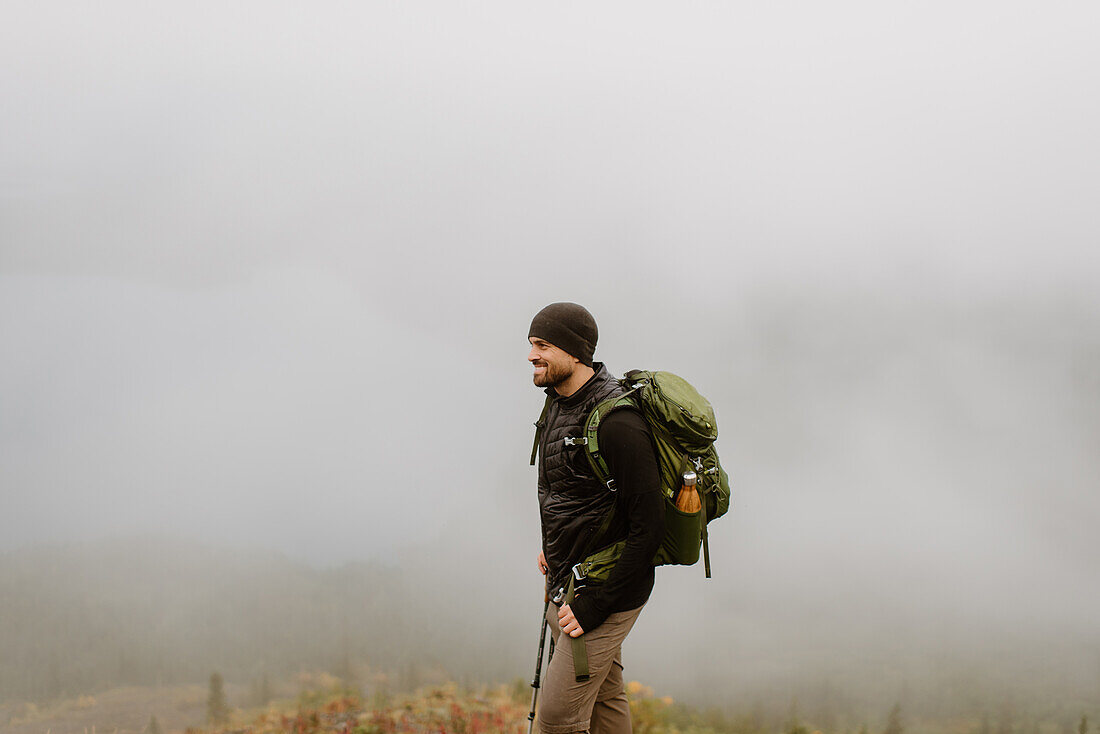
x,y
687,499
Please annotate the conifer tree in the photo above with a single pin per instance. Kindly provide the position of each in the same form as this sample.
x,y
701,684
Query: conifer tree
x,y
1083,727
893,721
794,726
217,709
153,727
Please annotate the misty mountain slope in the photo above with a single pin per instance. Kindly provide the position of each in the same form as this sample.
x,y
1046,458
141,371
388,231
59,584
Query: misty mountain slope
x,y
81,617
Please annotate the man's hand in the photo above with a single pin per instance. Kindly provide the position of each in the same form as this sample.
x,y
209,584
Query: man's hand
x,y
568,622
543,568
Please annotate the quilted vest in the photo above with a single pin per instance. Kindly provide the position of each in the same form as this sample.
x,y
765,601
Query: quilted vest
x,y
572,501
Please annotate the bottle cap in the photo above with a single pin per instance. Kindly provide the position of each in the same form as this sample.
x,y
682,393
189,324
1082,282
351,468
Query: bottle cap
x,y
690,478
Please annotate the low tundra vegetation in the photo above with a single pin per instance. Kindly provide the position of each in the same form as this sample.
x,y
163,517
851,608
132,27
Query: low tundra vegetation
x,y
443,709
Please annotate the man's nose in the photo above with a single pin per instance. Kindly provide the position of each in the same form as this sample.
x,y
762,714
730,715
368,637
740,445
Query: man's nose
x,y
532,355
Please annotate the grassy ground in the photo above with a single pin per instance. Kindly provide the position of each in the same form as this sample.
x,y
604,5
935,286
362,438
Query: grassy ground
x,y
321,704
443,709
126,710
183,709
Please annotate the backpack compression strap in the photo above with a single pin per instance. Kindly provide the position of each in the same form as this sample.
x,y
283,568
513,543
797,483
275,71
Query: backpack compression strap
x,y
580,652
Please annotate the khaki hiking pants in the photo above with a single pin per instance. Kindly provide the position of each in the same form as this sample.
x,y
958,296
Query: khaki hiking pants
x,y
599,704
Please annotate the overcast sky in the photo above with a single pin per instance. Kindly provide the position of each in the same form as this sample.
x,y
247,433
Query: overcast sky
x,y
266,272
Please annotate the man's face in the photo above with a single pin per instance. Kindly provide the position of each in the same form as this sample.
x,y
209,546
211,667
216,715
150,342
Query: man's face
x,y
552,365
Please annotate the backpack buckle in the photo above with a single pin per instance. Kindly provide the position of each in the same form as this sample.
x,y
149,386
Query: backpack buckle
x,y
611,485
578,574
577,441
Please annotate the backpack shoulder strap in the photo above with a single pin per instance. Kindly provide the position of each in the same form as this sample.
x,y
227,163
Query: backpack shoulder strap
x,y
592,431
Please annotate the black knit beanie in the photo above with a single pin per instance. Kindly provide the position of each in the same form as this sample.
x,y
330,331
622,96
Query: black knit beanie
x,y
568,327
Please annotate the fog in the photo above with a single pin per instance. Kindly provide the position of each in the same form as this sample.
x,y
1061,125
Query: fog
x,y
266,274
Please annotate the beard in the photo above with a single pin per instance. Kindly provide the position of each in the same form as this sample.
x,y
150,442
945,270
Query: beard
x,y
553,376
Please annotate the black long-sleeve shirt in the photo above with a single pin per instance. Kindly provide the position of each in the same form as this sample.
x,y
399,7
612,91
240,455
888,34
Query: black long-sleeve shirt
x,y
627,446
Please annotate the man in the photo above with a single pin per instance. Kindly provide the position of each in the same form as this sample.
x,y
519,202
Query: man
x,y
573,504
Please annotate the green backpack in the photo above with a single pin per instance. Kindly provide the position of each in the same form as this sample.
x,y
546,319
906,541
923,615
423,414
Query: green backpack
x,y
684,430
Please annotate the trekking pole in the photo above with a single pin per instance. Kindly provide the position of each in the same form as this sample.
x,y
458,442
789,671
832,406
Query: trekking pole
x,y
538,667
